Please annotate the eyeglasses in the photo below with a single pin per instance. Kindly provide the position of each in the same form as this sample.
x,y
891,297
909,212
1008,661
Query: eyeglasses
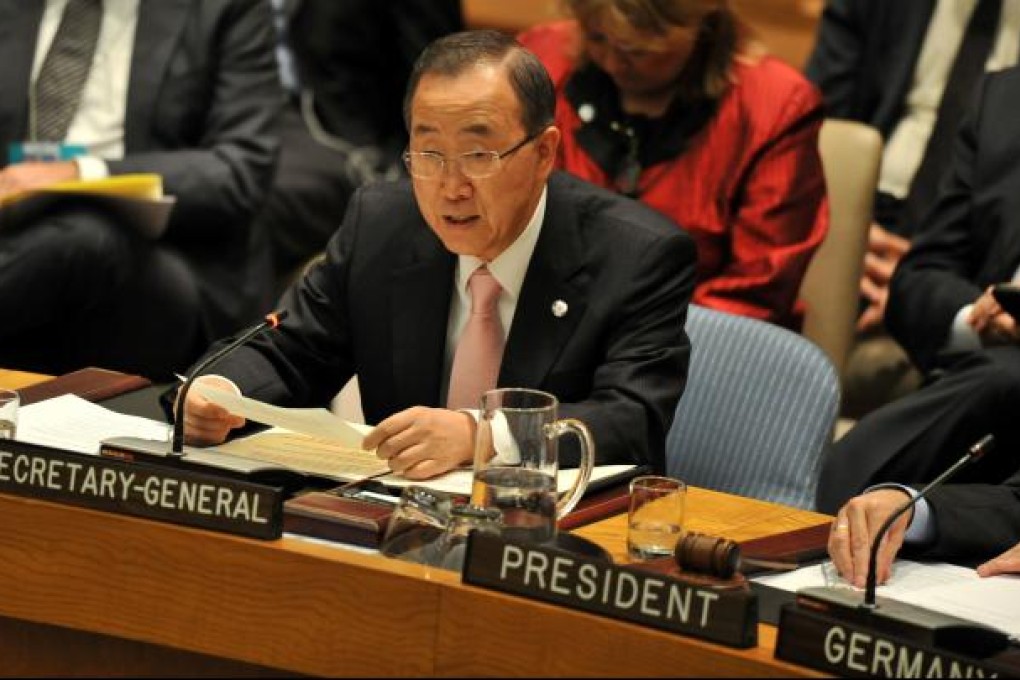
x,y
598,42
473,164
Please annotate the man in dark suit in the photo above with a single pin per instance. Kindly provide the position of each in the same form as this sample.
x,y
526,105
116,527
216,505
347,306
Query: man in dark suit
x,y
187,89
865,55
342,126
594,287
899,67
964,522
942,311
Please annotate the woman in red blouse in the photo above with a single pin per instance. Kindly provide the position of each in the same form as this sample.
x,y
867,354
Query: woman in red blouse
x,y
665,101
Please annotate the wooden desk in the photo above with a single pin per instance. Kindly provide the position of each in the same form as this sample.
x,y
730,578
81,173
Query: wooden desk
x,y
514,637
89,593
15,380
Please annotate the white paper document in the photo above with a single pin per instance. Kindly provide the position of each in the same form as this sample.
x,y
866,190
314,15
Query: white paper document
x,y
305,454
74,424
459,481
316,457
314,422
945,588
71,423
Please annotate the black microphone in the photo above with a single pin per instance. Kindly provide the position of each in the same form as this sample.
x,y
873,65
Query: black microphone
x,y
272,320
839,611
974,453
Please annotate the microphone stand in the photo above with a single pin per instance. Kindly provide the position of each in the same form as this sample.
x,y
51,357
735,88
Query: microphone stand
x,y
177,442
974,453
825,622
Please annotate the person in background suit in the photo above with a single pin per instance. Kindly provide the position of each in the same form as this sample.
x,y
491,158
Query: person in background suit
x,y
186,90
967,522
591,295
942,311
887,64
346,65
667,103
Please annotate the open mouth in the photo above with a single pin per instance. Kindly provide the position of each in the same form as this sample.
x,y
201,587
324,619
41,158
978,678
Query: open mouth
x,y
460,220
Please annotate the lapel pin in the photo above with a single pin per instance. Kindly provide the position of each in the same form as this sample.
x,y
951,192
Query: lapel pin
x,y
559,308
586,112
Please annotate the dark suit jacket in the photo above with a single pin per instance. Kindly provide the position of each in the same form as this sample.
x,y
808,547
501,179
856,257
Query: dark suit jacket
x,y
378,307
972,237
865,55
356,56
976,521
203,98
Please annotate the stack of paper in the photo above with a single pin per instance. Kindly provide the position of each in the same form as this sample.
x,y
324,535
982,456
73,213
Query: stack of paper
x,y
944,588
137,199
321,444
71,423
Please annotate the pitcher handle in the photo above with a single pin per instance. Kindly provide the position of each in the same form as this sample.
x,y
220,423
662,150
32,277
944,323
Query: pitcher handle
x,y
580,430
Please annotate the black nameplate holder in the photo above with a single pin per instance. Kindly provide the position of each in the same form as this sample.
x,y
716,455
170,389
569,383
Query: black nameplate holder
x,y
725,615
141,489
813,634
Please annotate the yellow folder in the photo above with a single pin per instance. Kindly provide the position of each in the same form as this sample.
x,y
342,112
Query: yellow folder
x,y
137,199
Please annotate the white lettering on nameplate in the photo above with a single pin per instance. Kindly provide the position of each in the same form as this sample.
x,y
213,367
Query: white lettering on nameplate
x,y
150,490
864,653
602,587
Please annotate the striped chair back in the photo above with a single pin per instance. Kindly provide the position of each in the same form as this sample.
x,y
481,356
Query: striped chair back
x,y
758,410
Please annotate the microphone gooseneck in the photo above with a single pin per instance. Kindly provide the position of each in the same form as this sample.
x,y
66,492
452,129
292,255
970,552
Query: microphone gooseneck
x,y
177,442
974,453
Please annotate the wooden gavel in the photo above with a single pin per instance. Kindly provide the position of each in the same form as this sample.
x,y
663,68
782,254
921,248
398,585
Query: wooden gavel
x,y
717,556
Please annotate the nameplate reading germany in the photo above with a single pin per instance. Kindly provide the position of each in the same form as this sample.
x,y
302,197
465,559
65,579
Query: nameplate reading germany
x,y
168,494
647,598
850,649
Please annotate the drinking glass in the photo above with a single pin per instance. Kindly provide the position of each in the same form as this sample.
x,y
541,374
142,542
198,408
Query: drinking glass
x,y
656,517
432,527
9,402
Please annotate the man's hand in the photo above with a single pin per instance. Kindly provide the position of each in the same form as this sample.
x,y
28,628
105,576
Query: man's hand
x,y
1006,563
421,442
991,322
33,175
854,531
880,259
206,423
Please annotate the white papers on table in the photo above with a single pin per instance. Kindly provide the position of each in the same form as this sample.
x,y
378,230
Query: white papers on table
x,y
314,422
946,588
74,424
459,481
324,458
71,423
277,445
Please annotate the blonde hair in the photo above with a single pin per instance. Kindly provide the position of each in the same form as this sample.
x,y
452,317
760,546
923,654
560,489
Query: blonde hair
x,y
720,36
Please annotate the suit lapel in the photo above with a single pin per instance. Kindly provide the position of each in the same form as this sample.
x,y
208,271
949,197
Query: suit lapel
x,y
421,285
160,23
1003,253
19,27
907,42
555,281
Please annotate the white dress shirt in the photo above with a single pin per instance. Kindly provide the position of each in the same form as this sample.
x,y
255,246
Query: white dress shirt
x,y
921,529
906,145
508,268
98,124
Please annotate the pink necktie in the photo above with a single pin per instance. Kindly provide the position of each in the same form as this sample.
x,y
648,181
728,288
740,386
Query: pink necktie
x,y
480,348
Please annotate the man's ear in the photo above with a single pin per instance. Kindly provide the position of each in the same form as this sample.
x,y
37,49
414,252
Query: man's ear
x,y
547,145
